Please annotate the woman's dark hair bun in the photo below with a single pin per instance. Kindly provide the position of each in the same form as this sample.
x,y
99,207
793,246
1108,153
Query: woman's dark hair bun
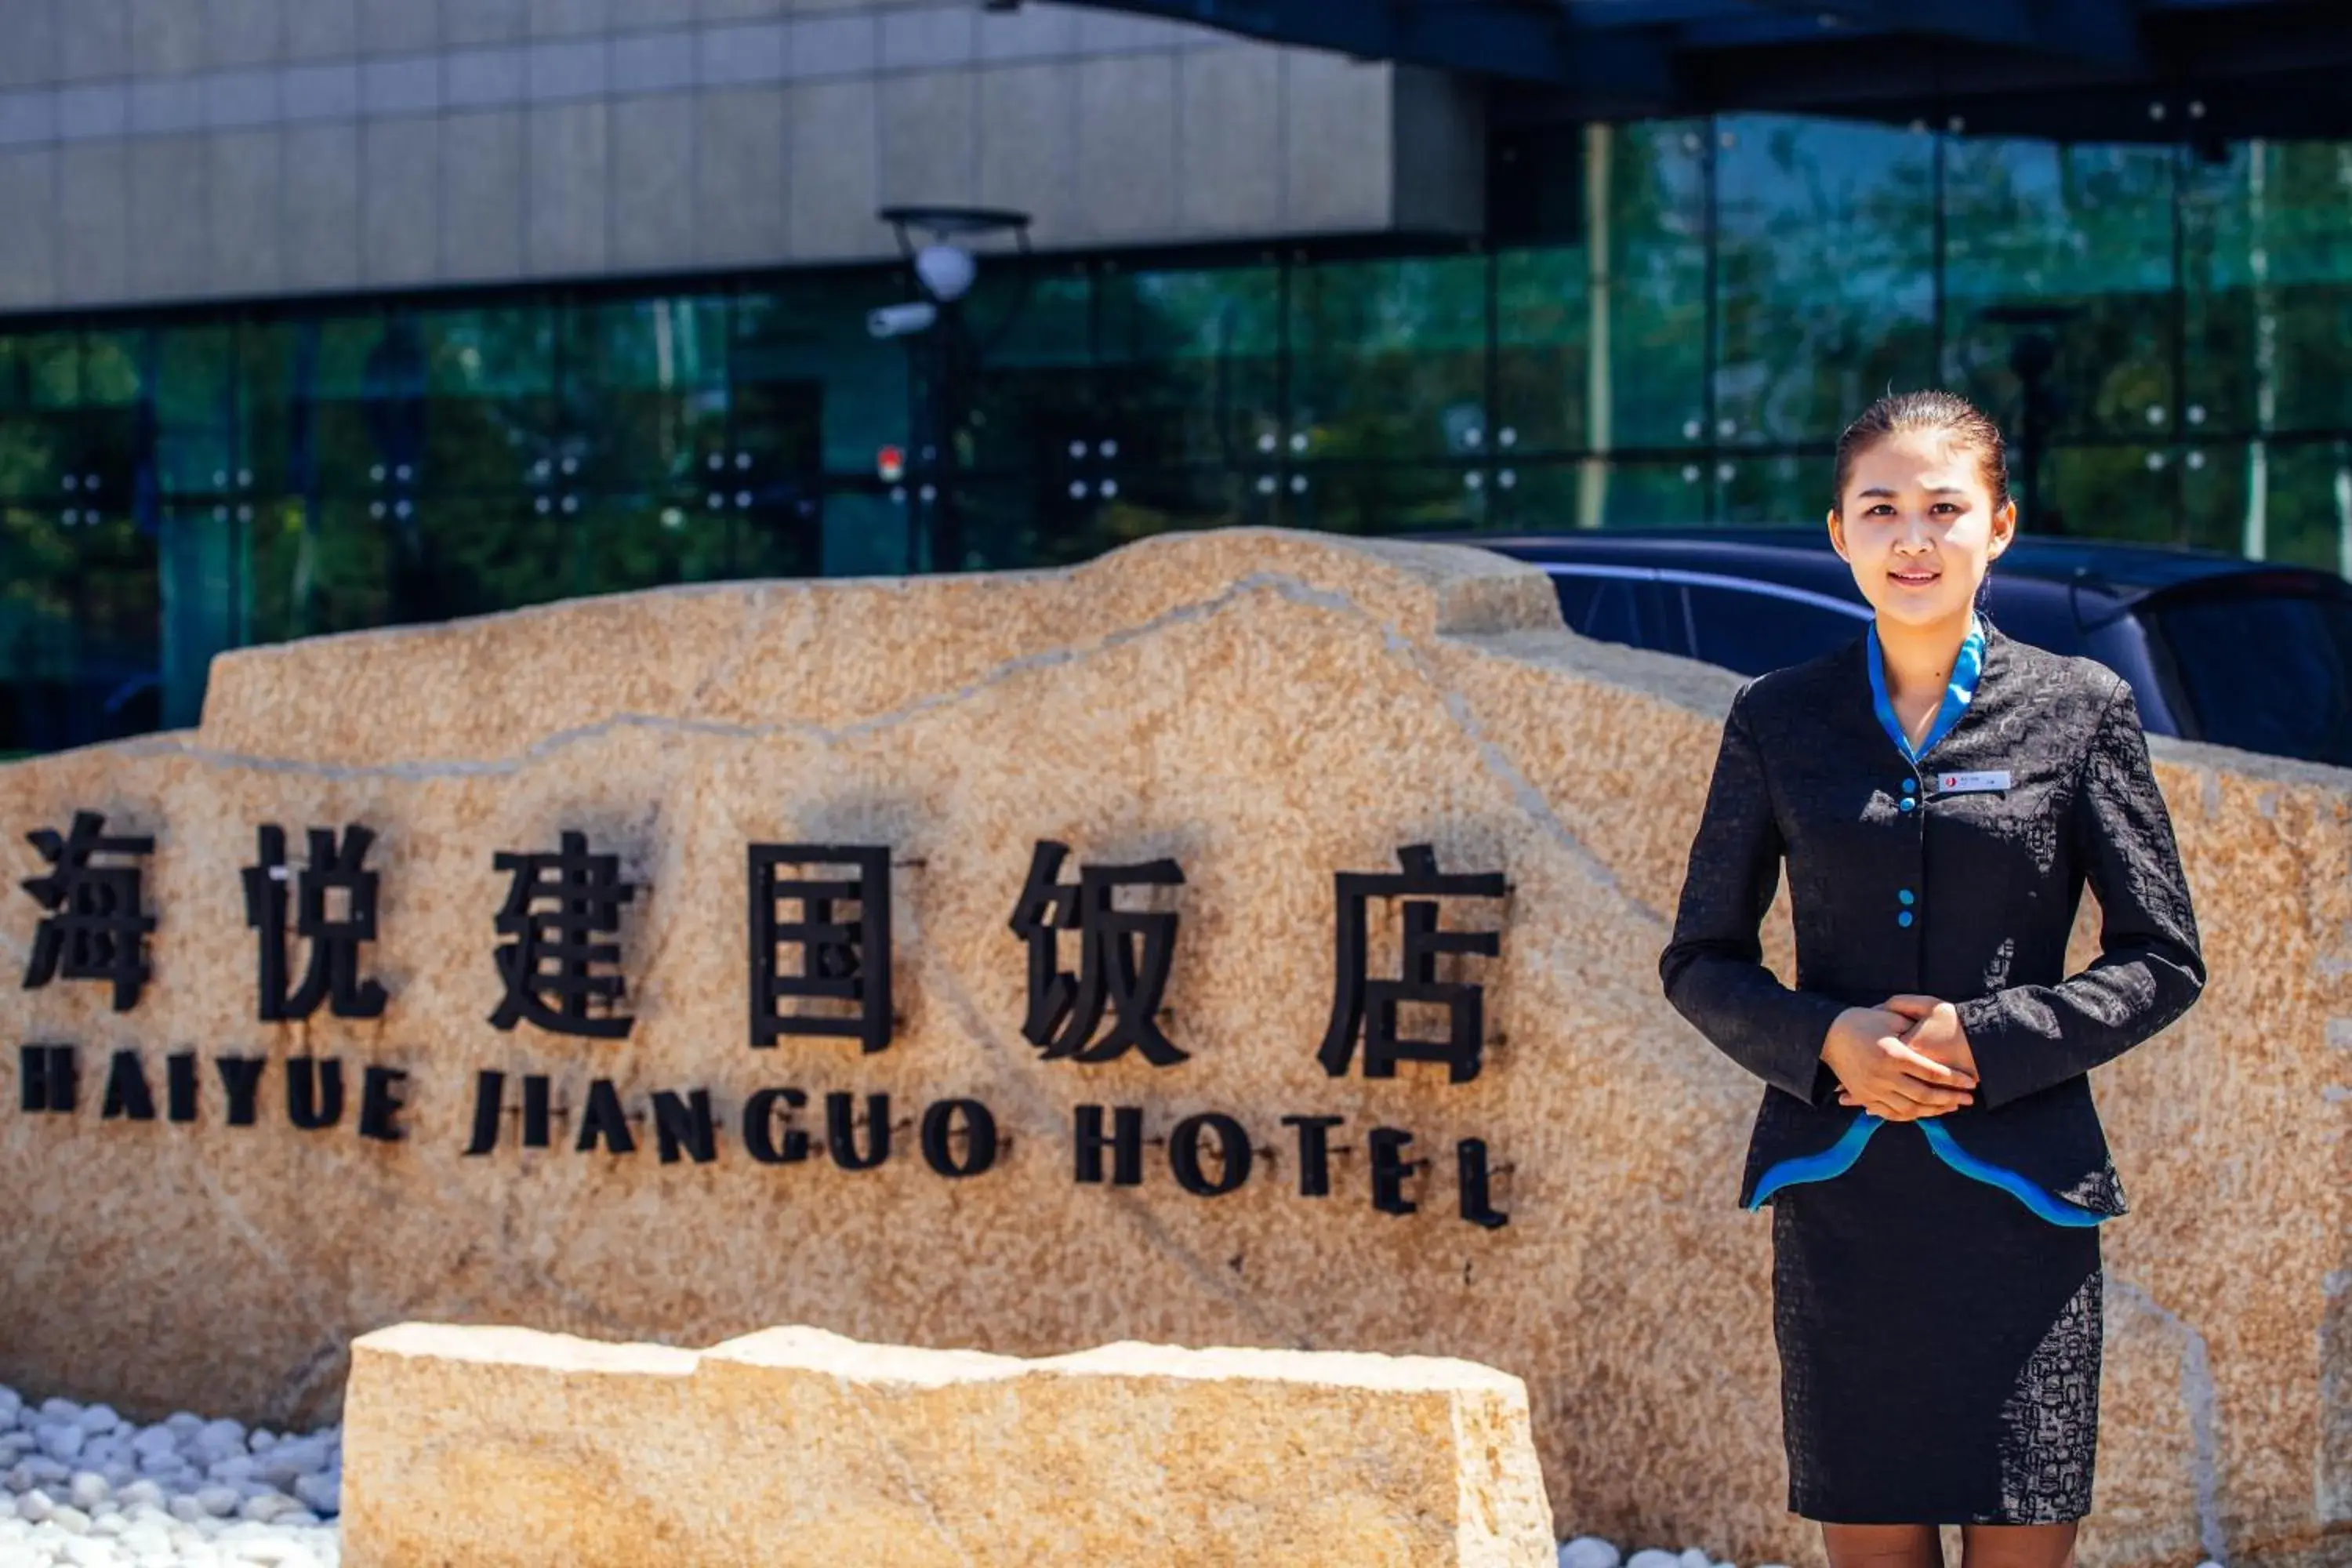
x,y
1938,413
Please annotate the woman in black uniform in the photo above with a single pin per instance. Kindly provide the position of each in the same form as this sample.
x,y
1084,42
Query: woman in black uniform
x,y
1941,792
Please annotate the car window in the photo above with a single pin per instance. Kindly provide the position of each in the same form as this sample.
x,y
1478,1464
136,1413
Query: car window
x,y
2263,672
1631,610
2040,613
1751,632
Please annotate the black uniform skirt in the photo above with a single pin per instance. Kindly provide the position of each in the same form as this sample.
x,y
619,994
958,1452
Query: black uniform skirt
x,y
1939,1346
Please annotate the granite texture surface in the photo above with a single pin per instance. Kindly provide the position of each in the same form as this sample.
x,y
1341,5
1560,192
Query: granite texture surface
x,y
506,1448
1268,709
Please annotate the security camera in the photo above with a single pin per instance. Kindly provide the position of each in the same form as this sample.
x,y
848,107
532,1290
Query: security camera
x,y
946,271
902,321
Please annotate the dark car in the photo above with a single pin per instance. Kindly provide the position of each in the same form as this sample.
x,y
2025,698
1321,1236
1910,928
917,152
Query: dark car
x,y
2217,648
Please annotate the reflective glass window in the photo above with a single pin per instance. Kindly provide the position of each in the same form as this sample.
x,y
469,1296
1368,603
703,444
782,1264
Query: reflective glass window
x,y
1825,271
1649,377
1190,366
1389,360
2059,279
1544,329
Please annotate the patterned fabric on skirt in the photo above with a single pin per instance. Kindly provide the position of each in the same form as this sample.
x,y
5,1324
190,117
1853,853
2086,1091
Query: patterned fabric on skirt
x,y
1939,1347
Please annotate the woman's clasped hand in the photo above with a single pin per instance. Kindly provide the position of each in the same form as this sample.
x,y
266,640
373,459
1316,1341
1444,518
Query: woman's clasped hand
x,y
1904,1060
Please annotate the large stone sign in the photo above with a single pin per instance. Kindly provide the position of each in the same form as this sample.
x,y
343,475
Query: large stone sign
x,y
503,1448
1248,938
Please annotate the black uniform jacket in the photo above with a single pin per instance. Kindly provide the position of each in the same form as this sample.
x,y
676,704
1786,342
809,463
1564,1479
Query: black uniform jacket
x,y
1994,877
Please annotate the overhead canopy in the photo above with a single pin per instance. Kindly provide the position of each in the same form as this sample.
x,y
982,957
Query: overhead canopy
x,y
2076,69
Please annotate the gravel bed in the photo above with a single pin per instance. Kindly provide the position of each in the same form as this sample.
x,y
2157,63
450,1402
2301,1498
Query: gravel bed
x,y
81,1486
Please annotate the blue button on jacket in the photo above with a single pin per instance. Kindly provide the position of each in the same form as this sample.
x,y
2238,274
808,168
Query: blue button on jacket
x,y
1812,771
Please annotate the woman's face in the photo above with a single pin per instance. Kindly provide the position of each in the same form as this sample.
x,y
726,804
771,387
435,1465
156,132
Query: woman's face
x,y
1918,526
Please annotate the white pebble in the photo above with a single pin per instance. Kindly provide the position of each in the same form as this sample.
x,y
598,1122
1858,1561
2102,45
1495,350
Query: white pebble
x,y
140,1494
271,1550
235,1469
1589,1551
261,1439
9,1400
264,1507
71,1519
61,1441
156,1440
324,1494
218,1500
1650,1557
1693,1557
35,1506
99,1418
295,1456
184,1423
89,1489
54,1409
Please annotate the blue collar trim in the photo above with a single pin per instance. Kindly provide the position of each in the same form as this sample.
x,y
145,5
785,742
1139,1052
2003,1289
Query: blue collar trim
x,y
1957,696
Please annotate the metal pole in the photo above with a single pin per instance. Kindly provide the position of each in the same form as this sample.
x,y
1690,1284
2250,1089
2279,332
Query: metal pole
x,y
1599,408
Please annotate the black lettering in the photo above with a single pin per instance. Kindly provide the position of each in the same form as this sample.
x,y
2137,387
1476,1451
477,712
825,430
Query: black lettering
x,y
1125,1142
605,1119
314,1092
1314,1153
535,1113
126,1089
1232,1155
379,1106
685,1124
978,1137
841,1130
1470,1160
180,1085
762,1121
241,1080
46,1078
489,1094
1390,1168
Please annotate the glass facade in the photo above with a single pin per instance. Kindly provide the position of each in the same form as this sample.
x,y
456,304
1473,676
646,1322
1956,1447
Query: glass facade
x,y
2168,334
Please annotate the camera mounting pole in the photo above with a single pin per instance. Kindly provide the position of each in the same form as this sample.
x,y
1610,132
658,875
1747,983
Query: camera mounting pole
x,y
942,361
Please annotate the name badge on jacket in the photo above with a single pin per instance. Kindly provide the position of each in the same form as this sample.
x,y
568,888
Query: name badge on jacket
x,y
1963,783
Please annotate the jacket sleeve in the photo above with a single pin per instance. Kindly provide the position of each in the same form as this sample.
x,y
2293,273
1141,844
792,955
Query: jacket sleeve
x,y
2149,971
1713,968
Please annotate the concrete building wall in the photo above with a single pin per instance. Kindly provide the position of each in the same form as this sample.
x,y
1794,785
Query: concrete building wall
x,y
157,151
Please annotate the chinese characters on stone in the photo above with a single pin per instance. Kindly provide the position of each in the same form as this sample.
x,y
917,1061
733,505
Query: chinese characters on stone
x,y
1123,960
818,930
95,928
556,972
332,975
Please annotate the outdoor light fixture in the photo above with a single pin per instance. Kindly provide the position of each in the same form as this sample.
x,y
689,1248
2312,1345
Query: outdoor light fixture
x,y
944,360
946,271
